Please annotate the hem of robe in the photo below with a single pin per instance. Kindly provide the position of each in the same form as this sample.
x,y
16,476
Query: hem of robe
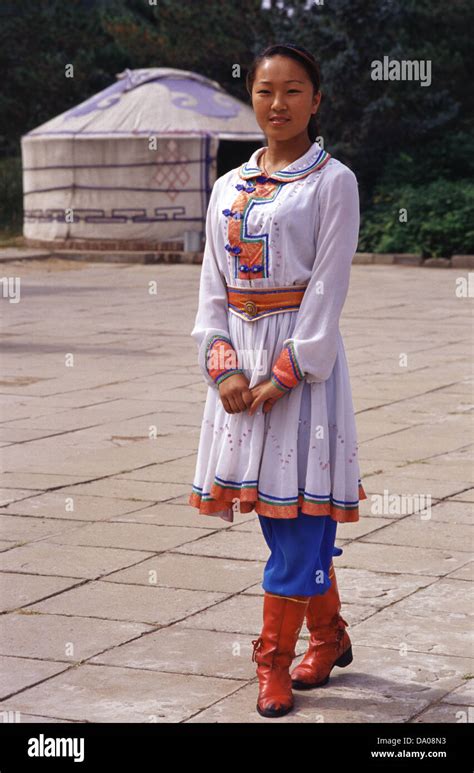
x,y
222,497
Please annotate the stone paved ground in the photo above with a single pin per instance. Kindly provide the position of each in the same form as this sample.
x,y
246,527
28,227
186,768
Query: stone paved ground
x,y
123,604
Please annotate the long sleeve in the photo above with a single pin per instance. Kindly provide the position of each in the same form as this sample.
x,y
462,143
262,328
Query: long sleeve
x,y
217,358
312,349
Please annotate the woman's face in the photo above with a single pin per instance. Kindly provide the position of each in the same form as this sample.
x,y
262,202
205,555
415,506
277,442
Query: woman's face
x,y
283,88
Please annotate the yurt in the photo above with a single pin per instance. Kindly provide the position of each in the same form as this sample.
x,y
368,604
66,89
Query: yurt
x,y
135,163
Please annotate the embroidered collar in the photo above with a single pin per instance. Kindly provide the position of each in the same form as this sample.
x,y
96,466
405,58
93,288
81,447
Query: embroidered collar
x,y
314,158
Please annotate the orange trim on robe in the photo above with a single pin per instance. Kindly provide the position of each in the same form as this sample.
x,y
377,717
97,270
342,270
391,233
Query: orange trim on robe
x,y
221,359
223,497
286,373
264,301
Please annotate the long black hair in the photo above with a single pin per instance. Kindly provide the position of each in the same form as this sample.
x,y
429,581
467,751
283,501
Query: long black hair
x,y
305,58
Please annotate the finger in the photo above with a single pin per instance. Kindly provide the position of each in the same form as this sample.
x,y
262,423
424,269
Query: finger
x,y
255,405
241,404
236,401
233,404
226,405
248,398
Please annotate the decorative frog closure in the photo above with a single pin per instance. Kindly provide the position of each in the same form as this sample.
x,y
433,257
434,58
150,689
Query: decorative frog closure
x,y
251,250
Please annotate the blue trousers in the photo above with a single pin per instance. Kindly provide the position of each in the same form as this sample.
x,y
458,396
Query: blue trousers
x,y
301,553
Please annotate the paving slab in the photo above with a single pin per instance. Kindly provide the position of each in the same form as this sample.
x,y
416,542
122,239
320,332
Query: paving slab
x,y
123,603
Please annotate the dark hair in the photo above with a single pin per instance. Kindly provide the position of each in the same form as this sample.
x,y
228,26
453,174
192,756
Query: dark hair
x,y
299,54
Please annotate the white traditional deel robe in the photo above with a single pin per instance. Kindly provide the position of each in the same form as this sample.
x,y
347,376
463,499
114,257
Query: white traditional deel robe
x,y
303,453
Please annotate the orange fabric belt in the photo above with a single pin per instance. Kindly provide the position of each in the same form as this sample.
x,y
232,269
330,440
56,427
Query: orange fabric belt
x,y
251,304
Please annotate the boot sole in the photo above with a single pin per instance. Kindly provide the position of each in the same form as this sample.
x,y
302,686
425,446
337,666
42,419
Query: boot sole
x,y
342,661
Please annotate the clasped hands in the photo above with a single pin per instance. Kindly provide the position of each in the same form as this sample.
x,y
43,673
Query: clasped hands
x,y
237,397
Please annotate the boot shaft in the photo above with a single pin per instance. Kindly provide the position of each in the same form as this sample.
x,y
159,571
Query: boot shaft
x,y
283,617
324,610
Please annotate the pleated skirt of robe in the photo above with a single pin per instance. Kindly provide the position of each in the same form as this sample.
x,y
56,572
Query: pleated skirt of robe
x,y
302,454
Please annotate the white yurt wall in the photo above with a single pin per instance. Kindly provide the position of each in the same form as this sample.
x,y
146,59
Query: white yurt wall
x,y
135,162
117,189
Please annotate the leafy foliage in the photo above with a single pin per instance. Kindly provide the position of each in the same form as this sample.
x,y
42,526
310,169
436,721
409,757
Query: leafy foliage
x,y
439,219
406,142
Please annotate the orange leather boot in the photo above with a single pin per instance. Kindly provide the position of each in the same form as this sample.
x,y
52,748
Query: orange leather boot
x,y
329,643
274,651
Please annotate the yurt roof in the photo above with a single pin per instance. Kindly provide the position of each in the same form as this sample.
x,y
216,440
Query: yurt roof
x,y
157,101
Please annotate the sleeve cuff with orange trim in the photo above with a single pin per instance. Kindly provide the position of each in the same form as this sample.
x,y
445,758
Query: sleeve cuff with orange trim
x,y
286,372
221,359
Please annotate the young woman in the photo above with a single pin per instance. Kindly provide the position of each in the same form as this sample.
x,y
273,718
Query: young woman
x,y
278,433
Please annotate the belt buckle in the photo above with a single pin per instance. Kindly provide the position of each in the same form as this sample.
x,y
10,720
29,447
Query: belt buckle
x,y
251,308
